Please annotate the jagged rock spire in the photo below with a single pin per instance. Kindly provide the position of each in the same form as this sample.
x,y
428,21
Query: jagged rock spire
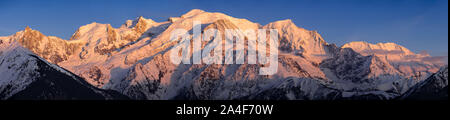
x,y
27,28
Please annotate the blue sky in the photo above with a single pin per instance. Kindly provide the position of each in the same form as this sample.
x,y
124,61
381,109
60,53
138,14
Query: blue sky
x,y
420,25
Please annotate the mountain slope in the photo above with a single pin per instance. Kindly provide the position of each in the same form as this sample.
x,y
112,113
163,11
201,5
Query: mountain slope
x,y
28,77
134,60
157,78
433,88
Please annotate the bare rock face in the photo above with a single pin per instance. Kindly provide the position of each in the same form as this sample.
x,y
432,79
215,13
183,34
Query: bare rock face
x,y
109,46
51,48
138,28
141,25
94,74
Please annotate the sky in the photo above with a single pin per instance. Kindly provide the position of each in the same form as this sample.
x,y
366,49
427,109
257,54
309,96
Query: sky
x,y
419,25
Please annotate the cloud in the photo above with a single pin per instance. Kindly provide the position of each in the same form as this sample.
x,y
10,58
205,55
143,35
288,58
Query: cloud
x,y
436,59
424,53
382,52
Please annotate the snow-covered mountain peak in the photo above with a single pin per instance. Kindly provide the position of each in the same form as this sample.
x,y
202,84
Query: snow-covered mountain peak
x,y
27,28
16,69
204,17
287,23
139,23
30,32
27,76
89,29
379,48
53,49
134,59
401,57
300,41
192,12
